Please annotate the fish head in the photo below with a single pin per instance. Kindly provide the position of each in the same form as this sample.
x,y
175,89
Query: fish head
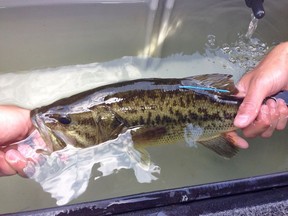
x,y
60,126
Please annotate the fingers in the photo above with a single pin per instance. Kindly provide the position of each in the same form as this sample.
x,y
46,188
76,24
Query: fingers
x,y
260,125
16,161
272,115
237,140
283,114
247,112
252,102
12,162
5,168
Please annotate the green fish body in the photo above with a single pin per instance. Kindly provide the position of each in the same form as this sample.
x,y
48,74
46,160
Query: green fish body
x,y
157,111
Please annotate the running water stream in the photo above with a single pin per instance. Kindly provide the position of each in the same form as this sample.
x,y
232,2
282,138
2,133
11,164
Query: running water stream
x,y
252,27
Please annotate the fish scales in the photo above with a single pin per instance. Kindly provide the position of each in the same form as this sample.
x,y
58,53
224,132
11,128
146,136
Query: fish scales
x,y
156,107
157,110
173,110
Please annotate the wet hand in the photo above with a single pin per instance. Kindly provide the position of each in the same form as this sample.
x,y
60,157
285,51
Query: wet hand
x,y
272,116
268,78
15,125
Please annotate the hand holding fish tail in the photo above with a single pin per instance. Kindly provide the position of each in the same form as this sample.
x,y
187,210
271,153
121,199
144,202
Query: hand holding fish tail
x,y
15,124
272,116
254,116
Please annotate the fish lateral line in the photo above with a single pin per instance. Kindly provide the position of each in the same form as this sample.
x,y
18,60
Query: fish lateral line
x,y
204,88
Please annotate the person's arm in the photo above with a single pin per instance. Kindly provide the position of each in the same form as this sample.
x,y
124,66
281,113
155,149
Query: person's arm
x,y
15,125
268,78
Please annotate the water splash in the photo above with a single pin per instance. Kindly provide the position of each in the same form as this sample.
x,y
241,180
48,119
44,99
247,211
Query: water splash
x,y
244,53
211,43
65,174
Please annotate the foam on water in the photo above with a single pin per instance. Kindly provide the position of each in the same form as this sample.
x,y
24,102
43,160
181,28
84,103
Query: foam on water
x,y
35,88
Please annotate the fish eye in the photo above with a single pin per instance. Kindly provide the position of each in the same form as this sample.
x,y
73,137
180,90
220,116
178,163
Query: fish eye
x,y
64,120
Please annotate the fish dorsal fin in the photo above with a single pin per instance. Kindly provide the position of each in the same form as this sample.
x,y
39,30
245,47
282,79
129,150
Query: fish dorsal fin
x,y
222,145
216,81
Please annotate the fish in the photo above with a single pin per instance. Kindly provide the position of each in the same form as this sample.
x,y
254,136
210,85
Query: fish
x,y
155,110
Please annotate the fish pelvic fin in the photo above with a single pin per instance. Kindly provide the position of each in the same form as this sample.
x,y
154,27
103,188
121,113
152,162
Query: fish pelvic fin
x,y
223,145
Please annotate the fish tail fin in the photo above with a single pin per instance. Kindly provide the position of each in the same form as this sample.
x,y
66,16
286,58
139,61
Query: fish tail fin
x,y
222,145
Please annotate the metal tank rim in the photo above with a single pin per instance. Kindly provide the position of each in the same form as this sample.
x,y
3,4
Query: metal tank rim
x,y
181,197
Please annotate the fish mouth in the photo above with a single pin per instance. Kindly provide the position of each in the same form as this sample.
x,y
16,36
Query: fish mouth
x,y
54,139
44,131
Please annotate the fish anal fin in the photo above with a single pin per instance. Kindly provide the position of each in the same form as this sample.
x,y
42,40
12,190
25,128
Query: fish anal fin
x,y
222,145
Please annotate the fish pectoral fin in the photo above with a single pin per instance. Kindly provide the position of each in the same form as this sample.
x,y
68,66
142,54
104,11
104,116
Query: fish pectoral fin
x,y
118,130
222,145
141,156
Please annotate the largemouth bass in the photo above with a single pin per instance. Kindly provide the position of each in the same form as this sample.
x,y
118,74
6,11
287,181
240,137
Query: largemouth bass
x,y
157,111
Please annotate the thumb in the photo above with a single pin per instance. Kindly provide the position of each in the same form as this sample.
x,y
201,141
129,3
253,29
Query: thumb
x,y
250,106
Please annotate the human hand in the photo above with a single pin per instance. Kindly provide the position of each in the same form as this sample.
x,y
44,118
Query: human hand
x,y
15,125
268,78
